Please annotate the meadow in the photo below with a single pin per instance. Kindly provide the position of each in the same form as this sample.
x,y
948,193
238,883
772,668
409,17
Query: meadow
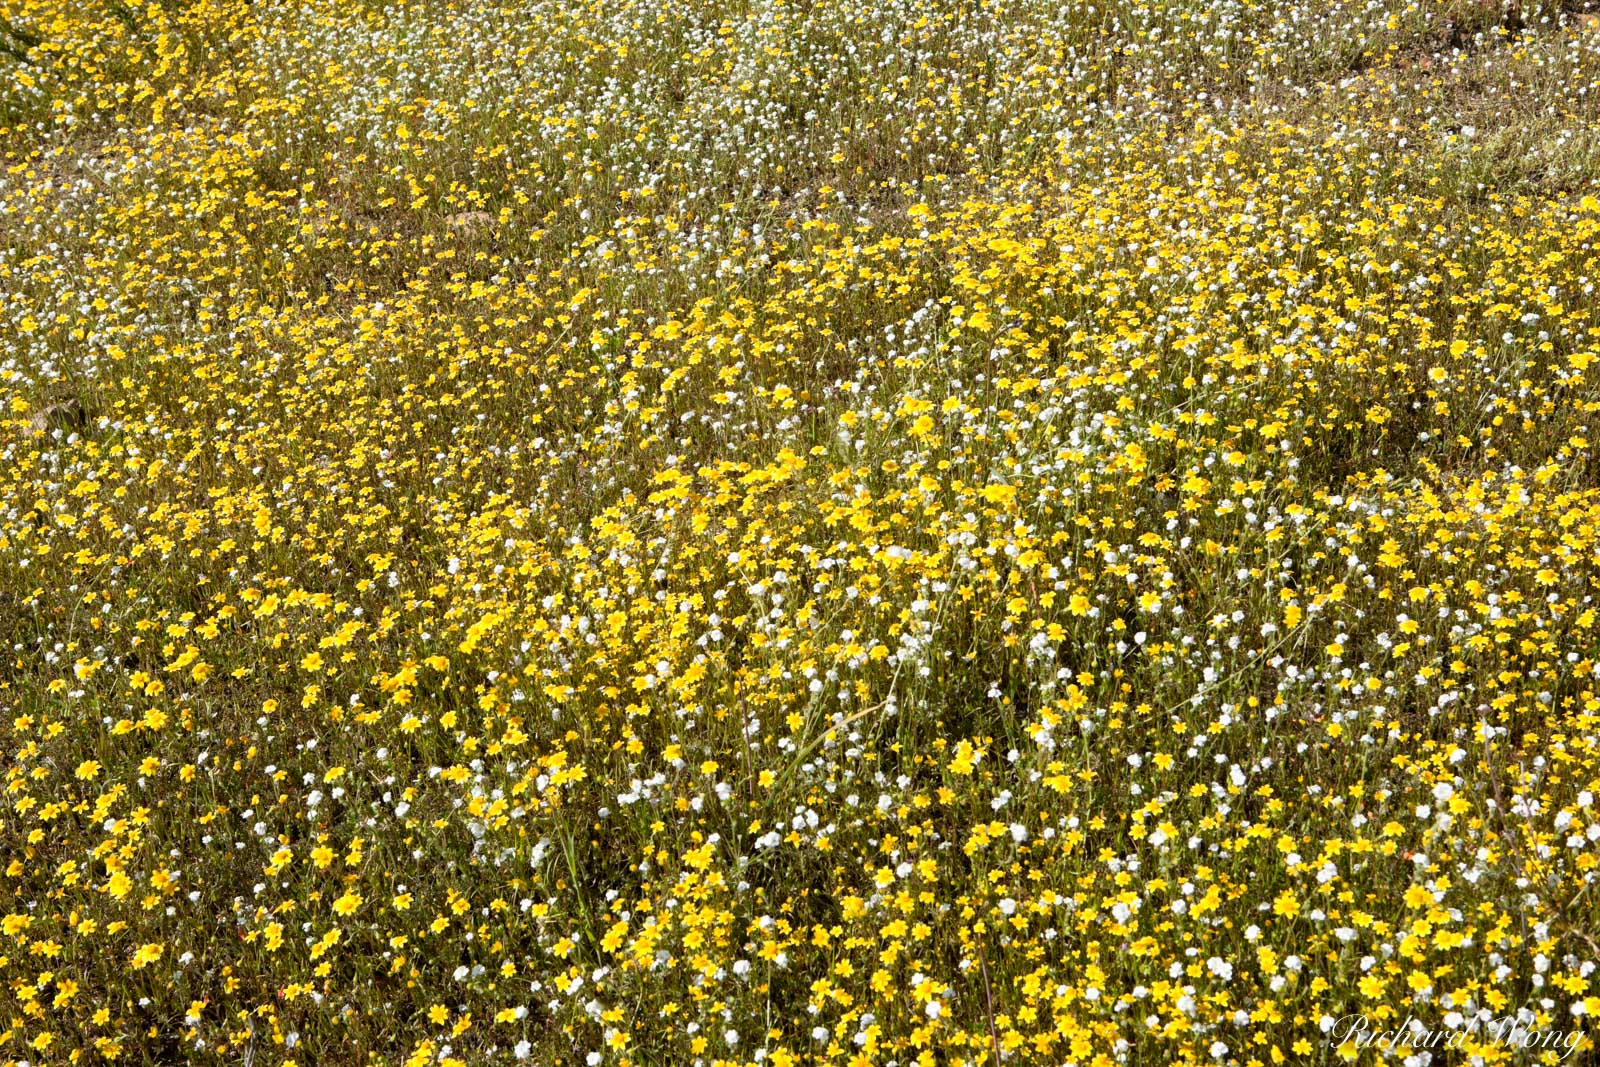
x,y
757,533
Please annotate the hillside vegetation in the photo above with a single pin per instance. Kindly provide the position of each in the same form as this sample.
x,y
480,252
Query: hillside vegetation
x,y
797,531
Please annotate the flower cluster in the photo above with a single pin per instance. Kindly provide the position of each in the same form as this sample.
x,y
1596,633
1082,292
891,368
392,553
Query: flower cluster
x,y
846,533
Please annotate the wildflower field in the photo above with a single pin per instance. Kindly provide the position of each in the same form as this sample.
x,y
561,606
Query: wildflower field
x,y
798,531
